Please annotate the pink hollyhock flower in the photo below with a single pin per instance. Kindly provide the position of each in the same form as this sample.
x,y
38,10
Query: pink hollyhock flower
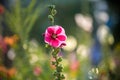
x,y
55,36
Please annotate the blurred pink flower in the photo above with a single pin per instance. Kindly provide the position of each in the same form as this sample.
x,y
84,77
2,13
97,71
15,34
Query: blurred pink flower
x,y
55,36
1,9
74,66
3,45
37,71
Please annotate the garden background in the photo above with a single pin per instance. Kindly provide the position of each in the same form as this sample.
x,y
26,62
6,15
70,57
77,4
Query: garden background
x,y
93,39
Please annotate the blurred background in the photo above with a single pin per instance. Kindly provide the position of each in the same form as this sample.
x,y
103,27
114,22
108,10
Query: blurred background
x,y
93,44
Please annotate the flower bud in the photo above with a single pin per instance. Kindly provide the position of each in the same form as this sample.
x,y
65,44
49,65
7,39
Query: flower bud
x,y
51,17
59,59
54,12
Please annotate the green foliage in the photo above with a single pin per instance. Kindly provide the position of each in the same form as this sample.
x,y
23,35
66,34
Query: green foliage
x,y
21,18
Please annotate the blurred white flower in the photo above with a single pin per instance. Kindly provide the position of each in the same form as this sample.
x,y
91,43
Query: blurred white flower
x,y
33,58
71,43
33,46
104,35
101,17
83,51
11,54
110,39
93,73
85,22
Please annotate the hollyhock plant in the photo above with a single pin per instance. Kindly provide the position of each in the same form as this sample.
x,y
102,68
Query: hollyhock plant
x,y
55,36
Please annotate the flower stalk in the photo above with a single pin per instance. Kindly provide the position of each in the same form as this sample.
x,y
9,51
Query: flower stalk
x,y
59,68
55,37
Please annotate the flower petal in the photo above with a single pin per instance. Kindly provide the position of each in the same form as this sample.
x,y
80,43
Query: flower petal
x,y
54,43
47,39
61,37
59,30
50,30
63,44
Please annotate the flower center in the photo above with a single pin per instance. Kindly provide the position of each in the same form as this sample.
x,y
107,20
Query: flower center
x,y
54,36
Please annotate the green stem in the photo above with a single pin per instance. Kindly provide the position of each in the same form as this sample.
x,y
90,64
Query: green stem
x,y
58,72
